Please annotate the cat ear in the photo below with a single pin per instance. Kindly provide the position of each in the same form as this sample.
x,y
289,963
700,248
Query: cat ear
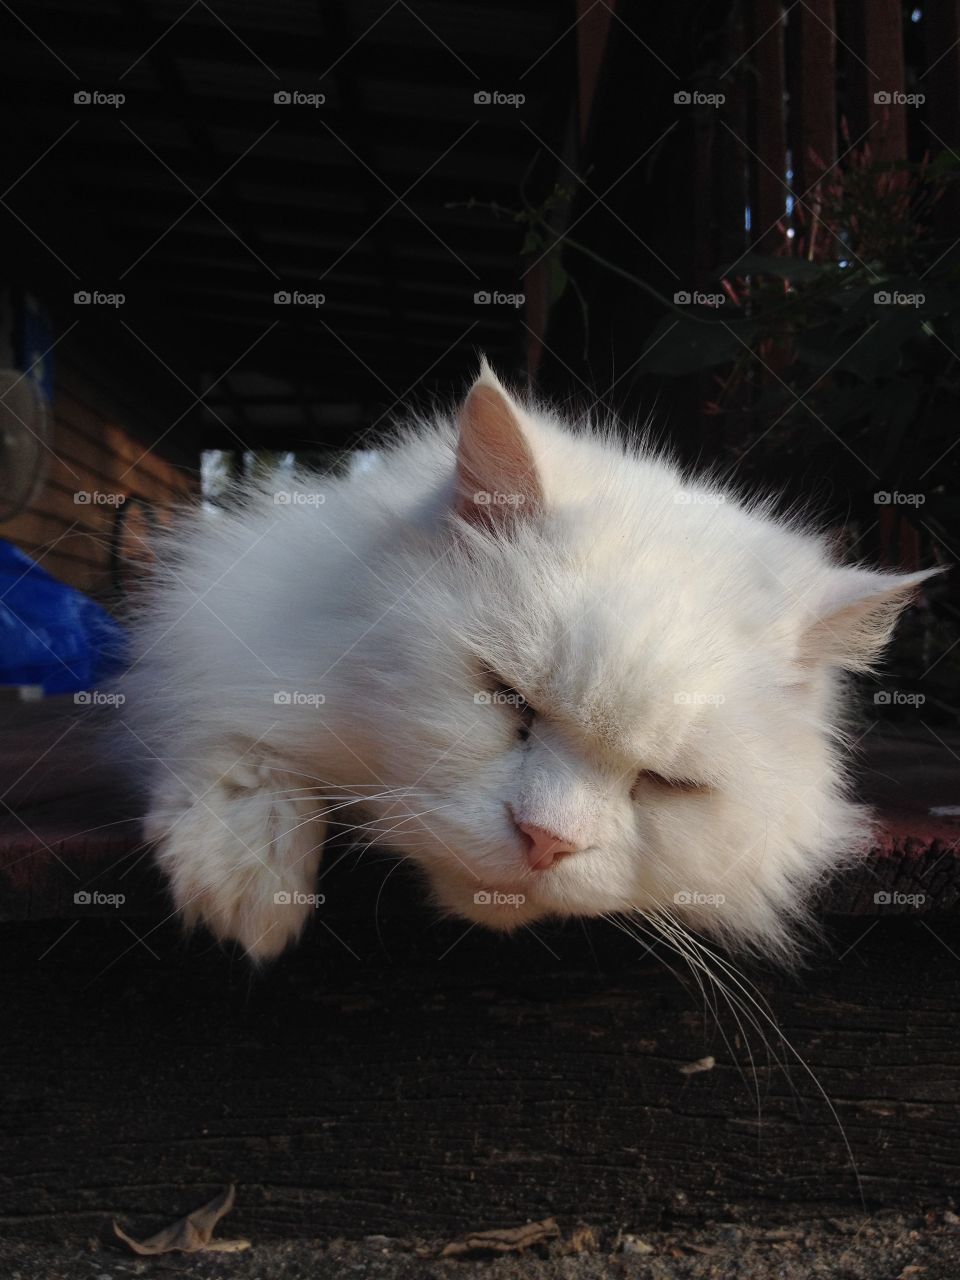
x,y
856,615
496,477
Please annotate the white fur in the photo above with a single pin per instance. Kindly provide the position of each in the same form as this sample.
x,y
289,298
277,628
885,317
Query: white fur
x,y
654,623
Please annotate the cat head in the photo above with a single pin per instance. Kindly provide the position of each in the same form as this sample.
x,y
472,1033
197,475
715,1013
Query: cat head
x,y
611,689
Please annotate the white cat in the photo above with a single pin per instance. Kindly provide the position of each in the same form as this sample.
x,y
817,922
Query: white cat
x,y
559,676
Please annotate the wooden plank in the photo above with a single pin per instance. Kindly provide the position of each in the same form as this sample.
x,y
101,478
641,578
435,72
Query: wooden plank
x,y
876,71
940,82
431,1083
593,31
769,174
812,82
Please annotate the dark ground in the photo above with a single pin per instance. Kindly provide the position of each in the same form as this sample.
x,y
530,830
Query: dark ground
x,y
428,1082
884,1247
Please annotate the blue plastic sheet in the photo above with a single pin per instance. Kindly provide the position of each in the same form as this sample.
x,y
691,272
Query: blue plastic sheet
x,y
51,634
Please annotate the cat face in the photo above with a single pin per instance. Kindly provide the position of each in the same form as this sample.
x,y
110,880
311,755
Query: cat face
x,y
611,690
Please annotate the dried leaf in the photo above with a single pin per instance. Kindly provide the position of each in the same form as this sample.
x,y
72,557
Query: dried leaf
x,y
503,1240
701,1064
583,1239
192,1234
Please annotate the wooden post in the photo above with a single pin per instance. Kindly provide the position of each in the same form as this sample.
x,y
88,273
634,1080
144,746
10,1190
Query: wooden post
x,y
593,28
877,76
940,82
767,194
813,94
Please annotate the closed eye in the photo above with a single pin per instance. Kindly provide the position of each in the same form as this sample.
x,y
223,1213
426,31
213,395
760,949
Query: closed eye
x,y
501,694
649,778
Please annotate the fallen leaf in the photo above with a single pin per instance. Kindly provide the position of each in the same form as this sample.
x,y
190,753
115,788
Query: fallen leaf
x,y
633,1244
910,1271
503,1240
192,1234
583,1239
701,1064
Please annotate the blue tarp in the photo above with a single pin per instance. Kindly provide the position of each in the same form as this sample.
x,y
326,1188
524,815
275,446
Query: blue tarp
x,y
51,634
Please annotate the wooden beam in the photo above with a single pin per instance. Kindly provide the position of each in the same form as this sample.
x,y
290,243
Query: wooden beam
x,y
593,31
812,127
769,174
876,70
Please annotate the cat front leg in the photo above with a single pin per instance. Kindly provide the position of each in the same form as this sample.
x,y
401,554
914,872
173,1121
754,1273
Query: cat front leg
x,y
240,850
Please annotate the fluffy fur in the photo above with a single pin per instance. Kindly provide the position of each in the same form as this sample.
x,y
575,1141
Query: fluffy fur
x,y
359,644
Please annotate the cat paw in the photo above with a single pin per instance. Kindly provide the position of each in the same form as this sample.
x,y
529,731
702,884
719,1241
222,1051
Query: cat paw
x,y
241,858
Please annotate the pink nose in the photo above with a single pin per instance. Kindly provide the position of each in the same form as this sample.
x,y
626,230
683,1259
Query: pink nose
x,y
543,847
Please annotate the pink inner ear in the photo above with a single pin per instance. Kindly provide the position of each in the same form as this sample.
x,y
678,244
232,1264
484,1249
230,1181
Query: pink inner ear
x,y
496,473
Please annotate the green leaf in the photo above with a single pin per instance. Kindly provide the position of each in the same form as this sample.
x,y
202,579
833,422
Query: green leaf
x,y
682,346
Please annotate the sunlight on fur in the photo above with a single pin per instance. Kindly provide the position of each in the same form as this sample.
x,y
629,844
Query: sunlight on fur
x,y
556,674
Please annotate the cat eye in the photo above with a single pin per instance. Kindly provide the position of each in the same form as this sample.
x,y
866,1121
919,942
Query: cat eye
x,y
504,695
663,783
